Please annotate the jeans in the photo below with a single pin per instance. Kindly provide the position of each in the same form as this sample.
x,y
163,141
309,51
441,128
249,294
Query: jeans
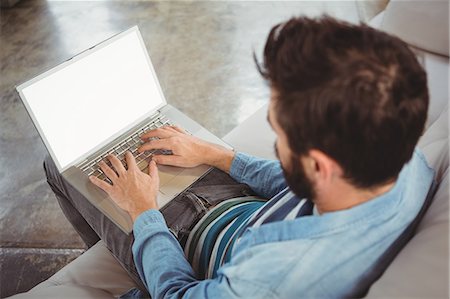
x,y
181,214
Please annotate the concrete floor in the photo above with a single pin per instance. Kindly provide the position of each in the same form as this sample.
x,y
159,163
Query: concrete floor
x,y
202,52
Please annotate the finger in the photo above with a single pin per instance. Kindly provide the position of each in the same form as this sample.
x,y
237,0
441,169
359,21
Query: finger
x,y
159,132
131,162
169,128
153,169
179,129
157,144
107,171
172,160
118,166
100,183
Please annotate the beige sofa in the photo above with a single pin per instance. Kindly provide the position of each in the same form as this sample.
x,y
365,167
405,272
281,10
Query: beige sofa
x,y
421,268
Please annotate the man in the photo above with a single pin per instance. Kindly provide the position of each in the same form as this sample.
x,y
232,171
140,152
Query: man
x,y
348,105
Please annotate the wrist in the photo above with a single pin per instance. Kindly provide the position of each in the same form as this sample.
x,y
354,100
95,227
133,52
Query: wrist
x,y
220,157
136,213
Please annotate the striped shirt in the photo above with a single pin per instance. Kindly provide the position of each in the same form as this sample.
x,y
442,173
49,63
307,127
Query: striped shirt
x,y
211,241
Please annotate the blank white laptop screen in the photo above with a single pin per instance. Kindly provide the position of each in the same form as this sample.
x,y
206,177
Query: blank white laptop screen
x,y
82,105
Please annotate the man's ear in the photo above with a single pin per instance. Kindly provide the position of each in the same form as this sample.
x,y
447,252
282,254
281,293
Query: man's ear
x,y
321,168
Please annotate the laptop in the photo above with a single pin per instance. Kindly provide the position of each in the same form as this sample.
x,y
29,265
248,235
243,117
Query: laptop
x,y
98,103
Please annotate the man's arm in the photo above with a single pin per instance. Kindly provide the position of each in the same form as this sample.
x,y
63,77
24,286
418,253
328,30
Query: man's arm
x,y
158,256
265,177
187,150
163,268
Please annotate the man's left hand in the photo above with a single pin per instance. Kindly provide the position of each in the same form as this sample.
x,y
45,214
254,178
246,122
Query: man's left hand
x,y
132,190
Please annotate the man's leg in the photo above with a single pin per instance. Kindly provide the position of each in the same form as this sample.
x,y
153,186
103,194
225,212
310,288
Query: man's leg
x,y
90,223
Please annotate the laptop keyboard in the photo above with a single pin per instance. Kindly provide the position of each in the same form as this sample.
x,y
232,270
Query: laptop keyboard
x,y
132,143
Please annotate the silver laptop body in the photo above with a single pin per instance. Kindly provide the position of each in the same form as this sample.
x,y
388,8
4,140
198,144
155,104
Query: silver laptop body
x,y
99,102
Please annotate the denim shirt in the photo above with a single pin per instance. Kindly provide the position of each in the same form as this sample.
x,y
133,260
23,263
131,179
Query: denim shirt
x,y
311,256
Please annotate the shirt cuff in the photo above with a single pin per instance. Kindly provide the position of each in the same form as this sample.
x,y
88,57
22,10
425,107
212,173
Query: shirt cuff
x,y
238,165
152,218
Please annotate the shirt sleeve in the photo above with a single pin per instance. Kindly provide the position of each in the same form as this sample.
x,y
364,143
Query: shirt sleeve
x,y
265,177
166,273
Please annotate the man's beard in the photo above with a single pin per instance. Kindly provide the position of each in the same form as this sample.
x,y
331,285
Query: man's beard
x,y
297,180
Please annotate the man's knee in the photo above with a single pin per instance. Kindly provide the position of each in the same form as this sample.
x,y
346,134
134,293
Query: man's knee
x,y
54,178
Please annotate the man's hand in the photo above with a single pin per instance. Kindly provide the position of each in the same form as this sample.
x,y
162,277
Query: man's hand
x,y
132,190
187,150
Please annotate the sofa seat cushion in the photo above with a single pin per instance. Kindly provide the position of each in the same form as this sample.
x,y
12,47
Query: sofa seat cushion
x,y
94,274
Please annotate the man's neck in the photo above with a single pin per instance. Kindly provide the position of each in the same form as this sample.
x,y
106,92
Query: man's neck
x,y
345,196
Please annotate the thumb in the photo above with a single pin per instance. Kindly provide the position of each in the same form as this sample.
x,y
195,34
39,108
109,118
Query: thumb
x,y
152,169
172,160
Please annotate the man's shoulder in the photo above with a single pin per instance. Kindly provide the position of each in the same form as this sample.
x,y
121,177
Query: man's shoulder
x,y
416,179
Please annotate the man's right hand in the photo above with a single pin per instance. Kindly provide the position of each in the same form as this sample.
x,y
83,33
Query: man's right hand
x,y
187,150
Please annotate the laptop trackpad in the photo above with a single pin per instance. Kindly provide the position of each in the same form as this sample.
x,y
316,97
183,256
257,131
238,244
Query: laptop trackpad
x,y
167,173
179,182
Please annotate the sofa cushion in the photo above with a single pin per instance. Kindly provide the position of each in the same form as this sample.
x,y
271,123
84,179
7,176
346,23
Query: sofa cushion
x,y
423,24
437,78
94,274
254,135
434,144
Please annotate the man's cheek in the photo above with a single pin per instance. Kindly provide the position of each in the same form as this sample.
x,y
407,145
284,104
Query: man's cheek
x,y
285,163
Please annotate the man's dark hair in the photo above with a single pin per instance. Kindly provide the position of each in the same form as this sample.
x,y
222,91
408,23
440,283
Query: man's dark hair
x,y
357,94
